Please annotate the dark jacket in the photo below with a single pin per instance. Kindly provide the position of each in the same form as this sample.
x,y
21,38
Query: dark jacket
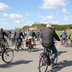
x,y
32,33
19,35
48,35
2,34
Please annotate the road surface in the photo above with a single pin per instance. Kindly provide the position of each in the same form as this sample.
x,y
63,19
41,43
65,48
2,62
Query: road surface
x,y
28,62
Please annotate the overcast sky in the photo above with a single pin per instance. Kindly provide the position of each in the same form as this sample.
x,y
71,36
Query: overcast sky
x,y
18,13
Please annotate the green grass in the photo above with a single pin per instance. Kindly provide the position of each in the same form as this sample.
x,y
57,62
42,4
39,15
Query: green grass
x,y
59,33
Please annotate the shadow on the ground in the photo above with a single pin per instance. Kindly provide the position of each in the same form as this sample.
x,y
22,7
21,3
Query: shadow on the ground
x,y
61,52
15,63
21,49
26,49
61,65
37,49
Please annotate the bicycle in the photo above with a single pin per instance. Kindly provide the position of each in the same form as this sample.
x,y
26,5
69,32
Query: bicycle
x,y
45,60
29,45
18,44
6,53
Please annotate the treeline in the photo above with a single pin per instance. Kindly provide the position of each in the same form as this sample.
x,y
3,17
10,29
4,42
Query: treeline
x,y
62,27
55,26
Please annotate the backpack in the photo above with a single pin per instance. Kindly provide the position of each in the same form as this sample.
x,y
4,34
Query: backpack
x,y
64,35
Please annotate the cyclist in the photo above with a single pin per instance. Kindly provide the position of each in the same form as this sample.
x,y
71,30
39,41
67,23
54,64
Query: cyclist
x,y
32,35
70,37
13,34
63,37
2,35
19,36
48,35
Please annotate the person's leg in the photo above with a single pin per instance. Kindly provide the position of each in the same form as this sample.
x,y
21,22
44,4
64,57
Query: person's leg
x,y
61,41
33,41
54,53
71,43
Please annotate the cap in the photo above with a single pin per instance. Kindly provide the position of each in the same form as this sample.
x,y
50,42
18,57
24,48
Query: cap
x,y
49,25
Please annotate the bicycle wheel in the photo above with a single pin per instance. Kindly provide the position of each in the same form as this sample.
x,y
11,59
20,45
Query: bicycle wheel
x,y
43,66
30,47
7,55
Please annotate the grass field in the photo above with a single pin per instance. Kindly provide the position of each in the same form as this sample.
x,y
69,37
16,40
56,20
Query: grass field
x,y
59,32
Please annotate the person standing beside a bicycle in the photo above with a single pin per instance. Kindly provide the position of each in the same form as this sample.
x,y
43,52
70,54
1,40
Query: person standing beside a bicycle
x,y
48,34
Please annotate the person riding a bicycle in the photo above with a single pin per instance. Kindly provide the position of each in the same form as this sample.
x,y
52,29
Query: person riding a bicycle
x,y
2,36
63,37
31,36
48,35
19,38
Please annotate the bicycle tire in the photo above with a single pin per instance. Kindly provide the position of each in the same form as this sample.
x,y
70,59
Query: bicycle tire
x,y
6,55
41,61
30,47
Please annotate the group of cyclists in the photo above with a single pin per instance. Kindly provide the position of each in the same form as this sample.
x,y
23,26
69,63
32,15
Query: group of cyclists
x,y
47,35
18,36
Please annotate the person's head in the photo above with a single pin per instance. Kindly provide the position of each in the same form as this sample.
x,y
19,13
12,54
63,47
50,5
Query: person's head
x,y
62,31
49,25
1,29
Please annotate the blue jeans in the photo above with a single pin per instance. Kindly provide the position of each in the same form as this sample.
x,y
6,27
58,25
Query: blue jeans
x,y
54,51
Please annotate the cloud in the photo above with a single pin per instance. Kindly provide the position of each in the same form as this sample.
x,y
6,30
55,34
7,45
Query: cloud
x,y
17,21
16,17
3,6
53,4
27,14
47,18
66,14
5,15
65,18
4,24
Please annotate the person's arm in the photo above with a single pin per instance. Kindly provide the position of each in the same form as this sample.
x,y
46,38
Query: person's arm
x,y
69,36
35,34
22,35
5,34
56,36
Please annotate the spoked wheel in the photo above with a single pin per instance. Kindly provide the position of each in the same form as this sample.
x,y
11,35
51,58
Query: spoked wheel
x,y
7,55
43,66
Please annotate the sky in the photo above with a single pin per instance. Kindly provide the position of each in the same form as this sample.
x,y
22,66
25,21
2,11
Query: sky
x,y
18,13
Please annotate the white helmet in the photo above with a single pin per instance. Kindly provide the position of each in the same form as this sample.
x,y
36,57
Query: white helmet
x,y
49,25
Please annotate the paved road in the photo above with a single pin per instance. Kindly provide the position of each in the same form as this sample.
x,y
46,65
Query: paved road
x,y
28,62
